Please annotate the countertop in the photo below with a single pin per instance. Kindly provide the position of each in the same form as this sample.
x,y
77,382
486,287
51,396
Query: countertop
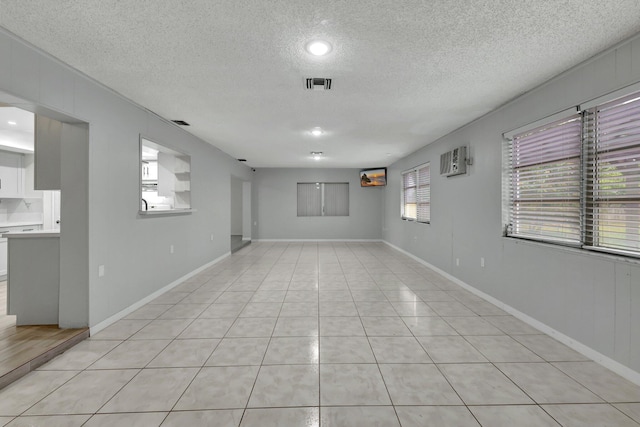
x,y
18,223
31,234
175,211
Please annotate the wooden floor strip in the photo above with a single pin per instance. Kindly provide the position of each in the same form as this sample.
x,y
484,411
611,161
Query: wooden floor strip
x,y
24,348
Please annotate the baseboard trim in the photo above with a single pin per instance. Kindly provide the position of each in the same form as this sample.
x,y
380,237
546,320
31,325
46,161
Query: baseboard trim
x,y
320,240
607,362
133,307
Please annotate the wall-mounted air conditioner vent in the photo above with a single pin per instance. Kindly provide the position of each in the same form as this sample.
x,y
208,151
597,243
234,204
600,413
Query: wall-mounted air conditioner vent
x,y
454,162
318,83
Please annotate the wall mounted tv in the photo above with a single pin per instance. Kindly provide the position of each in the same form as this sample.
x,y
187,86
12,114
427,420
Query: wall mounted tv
x,y
373,177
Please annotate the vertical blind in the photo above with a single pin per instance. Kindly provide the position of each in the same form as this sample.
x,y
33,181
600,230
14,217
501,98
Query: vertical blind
x,y
323,199
336,199
545,182
309,199
612,202
416,194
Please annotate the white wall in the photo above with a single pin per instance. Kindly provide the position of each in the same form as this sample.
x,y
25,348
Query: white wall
x,y
236,207
134,250
275,190
592,298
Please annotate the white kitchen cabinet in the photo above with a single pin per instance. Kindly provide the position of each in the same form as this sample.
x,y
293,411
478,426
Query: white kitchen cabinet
x,y
33,285
48,143
166,176
149,170
11,175
3,243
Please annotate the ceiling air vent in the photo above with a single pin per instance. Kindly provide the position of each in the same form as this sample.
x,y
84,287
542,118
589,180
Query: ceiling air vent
x,y
318,83
181,122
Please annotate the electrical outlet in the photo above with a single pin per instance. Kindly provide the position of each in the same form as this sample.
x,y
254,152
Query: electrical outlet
x,y
100,270
171,249
457,262
212,237
482,262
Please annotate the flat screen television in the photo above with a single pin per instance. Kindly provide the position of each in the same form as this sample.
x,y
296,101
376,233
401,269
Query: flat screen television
x,y
373,177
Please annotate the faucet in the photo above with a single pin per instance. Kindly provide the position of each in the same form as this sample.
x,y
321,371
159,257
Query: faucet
x,y
146,205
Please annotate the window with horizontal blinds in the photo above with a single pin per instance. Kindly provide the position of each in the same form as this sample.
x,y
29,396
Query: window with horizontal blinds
x,y
545,182
423,198
416,194
612,196
323,199
409,195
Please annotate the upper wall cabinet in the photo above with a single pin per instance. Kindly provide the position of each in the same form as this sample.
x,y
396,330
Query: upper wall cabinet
x,y
48,142
11,175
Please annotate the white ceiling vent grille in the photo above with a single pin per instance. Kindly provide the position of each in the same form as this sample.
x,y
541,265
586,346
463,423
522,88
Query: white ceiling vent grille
x,y
318,83
454,162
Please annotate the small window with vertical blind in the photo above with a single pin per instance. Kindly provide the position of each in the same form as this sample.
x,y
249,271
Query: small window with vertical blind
x,y
416,194
323,199
576,179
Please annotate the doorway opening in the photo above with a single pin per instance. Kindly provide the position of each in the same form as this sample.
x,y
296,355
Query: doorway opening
x,y
31,208
240,214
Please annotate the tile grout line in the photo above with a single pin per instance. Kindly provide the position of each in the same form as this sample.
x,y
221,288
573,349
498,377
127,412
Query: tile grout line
x,y
376,357
146,366
439,370
246,408
319,339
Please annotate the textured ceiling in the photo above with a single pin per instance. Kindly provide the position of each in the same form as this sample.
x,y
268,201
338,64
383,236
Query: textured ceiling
x,y
404,72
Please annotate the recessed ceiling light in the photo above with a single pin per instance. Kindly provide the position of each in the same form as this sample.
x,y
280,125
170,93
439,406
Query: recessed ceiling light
x,y
318,47
316,131
12,123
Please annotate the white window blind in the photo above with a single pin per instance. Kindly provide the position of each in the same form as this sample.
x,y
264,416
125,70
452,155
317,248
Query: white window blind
x,y
612,203
323,199
336,199
545,182
416,194
309,199
409,195
424,193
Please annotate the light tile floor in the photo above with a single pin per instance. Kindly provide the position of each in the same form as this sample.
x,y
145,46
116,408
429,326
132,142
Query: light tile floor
x,y
331,334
